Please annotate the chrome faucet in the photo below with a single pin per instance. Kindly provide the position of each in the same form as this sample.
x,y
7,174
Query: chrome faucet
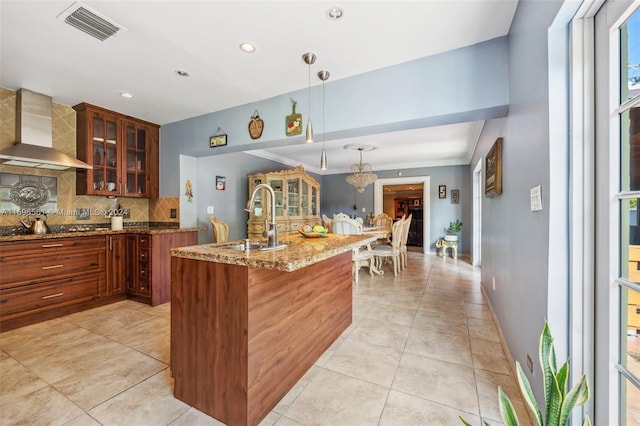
x,y
271,234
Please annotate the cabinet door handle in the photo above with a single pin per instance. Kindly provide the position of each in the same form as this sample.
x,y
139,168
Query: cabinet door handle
x,y
52,245
52,267
51,296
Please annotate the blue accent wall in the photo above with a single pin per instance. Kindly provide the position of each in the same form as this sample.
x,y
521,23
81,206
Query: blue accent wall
x,y
461,85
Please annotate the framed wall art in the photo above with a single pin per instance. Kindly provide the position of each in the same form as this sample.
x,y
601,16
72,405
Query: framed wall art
x,y
493,170
455,196
442,191
218,140
220,183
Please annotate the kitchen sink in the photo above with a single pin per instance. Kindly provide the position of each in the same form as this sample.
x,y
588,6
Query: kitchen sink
x,y
254,246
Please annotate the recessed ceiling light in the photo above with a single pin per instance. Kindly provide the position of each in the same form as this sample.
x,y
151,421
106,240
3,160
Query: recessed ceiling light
x,y
182,73
126,95
335,13
247,47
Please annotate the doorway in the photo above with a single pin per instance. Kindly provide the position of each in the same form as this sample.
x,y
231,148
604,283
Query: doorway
x,y
378,201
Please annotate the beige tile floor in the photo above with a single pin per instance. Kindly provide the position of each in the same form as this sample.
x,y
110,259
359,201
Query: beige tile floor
x,y
422,350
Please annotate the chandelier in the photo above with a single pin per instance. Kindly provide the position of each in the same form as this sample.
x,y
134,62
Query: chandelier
x,y
361,176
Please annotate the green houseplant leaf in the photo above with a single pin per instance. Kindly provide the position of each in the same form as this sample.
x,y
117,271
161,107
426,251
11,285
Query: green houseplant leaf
x,y
508,413
525,387
578,395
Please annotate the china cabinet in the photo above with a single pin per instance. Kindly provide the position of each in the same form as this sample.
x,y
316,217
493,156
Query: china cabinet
x,y
297,198
123,151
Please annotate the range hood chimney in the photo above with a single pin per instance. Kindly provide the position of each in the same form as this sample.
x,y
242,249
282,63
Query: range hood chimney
x,y
34,136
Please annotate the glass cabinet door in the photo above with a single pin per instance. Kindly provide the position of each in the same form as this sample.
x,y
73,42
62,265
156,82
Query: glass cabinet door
x,y
276,184
314,201
293,197
104,154
304,200
136,159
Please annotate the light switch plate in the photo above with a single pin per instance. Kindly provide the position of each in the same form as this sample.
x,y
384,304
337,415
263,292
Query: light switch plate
x,y
209,209
536,198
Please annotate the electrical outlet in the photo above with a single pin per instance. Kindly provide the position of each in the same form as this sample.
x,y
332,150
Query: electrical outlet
x,y
364,210
493,280
530,364
209,209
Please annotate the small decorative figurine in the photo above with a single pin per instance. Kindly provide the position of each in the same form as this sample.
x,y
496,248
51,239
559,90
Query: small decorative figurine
x,y
189,191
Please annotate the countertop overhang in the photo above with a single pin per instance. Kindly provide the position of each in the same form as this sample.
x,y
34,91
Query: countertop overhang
x,y
98,232
299,253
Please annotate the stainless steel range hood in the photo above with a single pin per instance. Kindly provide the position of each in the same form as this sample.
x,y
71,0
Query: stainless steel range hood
x,y
34,136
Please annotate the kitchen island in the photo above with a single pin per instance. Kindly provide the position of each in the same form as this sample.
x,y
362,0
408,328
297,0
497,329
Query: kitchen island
x,y
246,326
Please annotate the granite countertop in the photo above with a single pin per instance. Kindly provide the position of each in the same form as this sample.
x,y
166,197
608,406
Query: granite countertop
x,y
299,253
97,232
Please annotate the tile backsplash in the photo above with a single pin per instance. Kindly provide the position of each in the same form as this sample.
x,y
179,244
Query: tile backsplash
x,y
68,203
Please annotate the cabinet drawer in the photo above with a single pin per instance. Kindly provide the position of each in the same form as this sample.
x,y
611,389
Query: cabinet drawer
x,y
144,286
294,226
144,255
144,241
58,292
256,228
17,271
49,246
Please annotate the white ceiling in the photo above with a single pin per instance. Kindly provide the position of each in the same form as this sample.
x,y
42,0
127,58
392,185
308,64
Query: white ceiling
x,y
43,54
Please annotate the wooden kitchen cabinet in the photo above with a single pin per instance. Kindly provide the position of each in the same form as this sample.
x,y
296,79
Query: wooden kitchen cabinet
x,y
123,151
148,265
297,198
116,263
43,279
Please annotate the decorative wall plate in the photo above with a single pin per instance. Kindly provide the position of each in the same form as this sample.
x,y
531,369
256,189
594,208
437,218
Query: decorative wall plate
x,y
293,122
256,125
29,194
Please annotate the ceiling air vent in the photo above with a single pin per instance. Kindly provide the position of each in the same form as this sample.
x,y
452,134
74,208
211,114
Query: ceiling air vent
x,y
90,21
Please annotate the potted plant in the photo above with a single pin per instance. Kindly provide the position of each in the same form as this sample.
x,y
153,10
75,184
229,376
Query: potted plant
x,y
559,400
452,231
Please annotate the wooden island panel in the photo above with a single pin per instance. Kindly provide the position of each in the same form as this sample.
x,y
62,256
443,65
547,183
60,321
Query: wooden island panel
x,y
243,336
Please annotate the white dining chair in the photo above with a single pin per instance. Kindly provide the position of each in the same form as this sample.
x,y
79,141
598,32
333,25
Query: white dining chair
x,y
403,242
361,256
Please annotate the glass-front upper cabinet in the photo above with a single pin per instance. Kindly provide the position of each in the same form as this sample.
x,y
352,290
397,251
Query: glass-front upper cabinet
x,y
293,197
123,151
103,129
276,185
136,146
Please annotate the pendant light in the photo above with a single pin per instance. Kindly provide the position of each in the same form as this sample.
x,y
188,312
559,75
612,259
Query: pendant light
x,y
309,58
324,76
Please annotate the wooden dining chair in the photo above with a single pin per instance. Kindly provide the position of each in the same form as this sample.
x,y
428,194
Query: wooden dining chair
x,y
390,251
326,222
384,221
363,255
220,230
